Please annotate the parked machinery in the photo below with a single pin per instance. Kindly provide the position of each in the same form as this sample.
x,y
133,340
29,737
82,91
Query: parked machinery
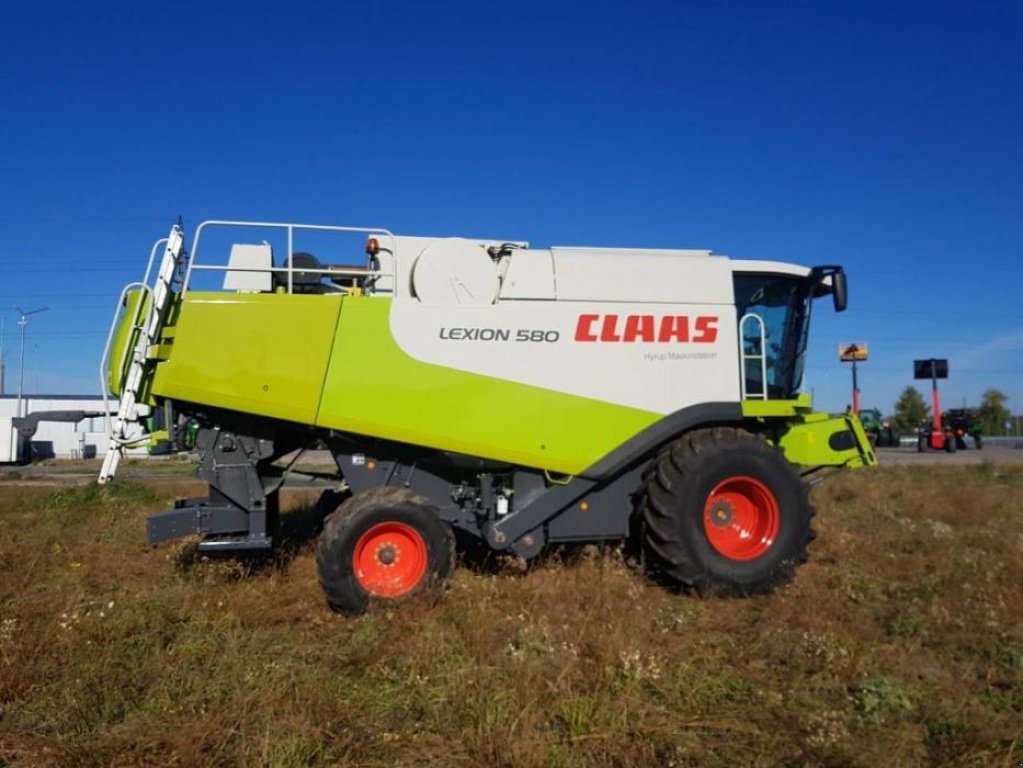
x,y
522,396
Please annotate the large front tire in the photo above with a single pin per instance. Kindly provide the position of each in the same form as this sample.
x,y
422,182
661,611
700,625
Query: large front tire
x,y
383,544
723,512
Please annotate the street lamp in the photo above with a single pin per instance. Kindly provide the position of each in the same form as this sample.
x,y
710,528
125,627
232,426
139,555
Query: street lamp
x,y
23,322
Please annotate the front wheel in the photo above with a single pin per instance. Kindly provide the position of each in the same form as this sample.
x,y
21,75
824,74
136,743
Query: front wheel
x,y
383,544
723,512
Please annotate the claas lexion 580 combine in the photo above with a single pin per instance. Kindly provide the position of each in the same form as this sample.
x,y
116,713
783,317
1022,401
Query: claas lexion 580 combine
x,y
521,396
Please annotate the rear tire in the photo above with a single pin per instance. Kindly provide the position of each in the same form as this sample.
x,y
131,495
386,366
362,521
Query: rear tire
x,y
724,513
383,544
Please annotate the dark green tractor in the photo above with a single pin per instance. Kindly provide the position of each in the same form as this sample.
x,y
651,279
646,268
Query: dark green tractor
x,y
879,430
963,423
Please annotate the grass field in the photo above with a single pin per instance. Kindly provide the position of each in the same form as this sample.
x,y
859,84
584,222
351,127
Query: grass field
x,y
899,644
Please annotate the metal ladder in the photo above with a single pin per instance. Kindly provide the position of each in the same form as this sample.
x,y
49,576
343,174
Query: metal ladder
x,y
148,336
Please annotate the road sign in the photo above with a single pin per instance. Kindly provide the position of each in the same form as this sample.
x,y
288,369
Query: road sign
x,y
930,369
852,353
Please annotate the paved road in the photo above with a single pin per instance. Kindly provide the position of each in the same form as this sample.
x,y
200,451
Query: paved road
x,y
995,454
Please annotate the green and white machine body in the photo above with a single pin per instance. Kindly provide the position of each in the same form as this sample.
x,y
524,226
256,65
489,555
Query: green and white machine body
x,y
522,390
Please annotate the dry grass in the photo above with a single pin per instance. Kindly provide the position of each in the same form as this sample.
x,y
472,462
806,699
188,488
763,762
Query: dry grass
x,y
900,643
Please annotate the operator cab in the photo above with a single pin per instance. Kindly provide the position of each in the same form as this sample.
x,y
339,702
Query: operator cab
x,y
772,303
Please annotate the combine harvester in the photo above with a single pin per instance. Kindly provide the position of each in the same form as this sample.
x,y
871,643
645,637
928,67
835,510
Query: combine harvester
x,y
521,396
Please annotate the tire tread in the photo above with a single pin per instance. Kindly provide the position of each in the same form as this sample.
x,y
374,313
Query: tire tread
x,y
335,576
665,550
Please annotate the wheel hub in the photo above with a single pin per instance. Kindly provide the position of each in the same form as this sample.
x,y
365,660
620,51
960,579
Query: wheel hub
x,y
390,559
721,513
741,518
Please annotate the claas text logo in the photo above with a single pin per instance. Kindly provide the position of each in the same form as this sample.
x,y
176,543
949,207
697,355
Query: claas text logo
x,y
701,329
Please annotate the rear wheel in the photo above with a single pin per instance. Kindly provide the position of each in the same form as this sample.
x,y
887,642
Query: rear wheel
x,y
383,544
723,512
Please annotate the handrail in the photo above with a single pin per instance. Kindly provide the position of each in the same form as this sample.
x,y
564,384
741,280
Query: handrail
x,y
110,338
289,228
743,357
325,270
152,258
143,285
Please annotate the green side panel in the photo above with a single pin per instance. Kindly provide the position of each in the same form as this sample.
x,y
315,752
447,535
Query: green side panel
x,y
807,443
776,408
805,435
259,353
374,388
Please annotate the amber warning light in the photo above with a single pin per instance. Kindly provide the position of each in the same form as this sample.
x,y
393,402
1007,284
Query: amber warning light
x,y
372,246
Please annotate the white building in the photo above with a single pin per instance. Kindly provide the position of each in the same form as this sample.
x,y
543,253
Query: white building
x,y
63,440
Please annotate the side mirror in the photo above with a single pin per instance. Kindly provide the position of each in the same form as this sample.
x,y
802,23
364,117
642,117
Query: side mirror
x,y
839,290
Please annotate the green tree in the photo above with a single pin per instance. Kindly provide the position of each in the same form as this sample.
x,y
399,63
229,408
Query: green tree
x,y
911,410
993,413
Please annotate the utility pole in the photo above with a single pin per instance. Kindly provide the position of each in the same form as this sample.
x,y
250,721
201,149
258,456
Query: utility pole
x,y
853,353
23,322
856,389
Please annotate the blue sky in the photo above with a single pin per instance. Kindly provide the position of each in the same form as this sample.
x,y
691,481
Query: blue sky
x,y
882,136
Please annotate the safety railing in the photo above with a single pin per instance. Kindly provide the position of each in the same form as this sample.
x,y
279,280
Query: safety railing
x,y
290,270
135,326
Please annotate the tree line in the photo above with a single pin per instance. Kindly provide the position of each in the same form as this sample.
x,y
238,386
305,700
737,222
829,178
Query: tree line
x,y
912,410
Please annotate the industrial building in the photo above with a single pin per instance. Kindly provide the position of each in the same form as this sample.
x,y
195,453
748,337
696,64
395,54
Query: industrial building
x,y
63,440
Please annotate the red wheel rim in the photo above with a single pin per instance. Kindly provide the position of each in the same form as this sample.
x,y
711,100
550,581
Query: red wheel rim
x,y
390,559
741,518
